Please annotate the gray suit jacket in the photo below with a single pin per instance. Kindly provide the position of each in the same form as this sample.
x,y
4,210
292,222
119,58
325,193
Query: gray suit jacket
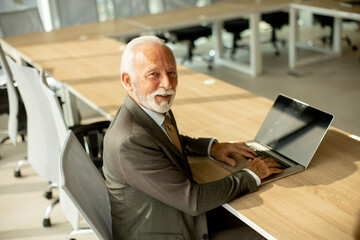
x,y
152,191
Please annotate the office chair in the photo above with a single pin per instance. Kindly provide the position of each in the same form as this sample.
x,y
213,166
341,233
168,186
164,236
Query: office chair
x,y
188,34
11,103
68,12
86,190
125,8
326,21
276,20
236,27
20,22
46,126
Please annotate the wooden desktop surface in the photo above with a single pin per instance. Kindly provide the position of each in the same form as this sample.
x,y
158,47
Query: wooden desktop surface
x,y
339,8
208,14
93,30
322,202
146,23
319,203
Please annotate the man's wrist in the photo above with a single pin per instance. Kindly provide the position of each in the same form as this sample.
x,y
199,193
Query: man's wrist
x,y
212,141
257,179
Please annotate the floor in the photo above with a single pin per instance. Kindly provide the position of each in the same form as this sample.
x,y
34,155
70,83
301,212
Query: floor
x,y
333,86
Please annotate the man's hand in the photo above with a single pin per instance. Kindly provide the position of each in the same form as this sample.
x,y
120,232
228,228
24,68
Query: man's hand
x,y
226,152
263,167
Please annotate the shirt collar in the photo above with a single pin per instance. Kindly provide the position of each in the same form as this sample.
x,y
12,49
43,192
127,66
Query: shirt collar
x,y
157,117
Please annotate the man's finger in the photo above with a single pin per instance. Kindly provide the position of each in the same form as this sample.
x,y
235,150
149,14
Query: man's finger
x,y
229,161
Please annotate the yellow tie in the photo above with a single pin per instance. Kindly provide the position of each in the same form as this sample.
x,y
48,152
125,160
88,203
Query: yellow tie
x,y
171,131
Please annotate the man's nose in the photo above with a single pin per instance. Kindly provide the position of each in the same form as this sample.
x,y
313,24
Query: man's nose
x,y
166,82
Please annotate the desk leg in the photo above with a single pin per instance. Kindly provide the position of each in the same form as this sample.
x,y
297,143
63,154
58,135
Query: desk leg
x,y
337,36
218,42
255,47
69,107
293,33
324,53
255,67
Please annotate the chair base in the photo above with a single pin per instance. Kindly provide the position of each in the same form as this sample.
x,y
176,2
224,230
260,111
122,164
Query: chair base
x,y
190,56
327,40
48,193
18,166
79,231
46,220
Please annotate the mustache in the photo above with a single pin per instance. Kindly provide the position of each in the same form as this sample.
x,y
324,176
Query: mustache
x,y
162,91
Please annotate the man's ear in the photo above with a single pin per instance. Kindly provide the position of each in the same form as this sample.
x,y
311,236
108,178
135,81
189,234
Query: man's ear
x,y
126,80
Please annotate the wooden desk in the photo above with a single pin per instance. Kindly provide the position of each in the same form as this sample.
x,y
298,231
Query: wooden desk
x,y
213,14
93,30
93,76
323,7
319,203
88,64
210,14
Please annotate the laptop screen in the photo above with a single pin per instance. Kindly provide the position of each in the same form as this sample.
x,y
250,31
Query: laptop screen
x,y
294,129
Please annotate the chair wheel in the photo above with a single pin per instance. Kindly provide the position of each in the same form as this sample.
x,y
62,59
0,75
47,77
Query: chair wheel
x,y
46,222
17,174
48,195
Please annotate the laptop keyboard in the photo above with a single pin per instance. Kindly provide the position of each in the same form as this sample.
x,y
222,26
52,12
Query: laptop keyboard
x,y
266,154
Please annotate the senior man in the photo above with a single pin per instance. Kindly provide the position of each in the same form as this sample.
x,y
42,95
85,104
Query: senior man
x,y
152,191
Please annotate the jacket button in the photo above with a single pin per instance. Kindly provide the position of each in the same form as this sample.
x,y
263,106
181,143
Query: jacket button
x,y
205,236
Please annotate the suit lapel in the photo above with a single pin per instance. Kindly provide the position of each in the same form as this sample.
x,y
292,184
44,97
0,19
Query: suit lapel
x,y
154,130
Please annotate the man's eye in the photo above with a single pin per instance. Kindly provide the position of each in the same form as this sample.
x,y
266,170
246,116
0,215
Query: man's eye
x,y
172,73
153,74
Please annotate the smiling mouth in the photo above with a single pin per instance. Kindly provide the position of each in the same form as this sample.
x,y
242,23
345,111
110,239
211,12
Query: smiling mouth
x,y
165,97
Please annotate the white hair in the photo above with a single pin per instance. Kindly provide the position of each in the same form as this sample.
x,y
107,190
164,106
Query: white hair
x,y
127,65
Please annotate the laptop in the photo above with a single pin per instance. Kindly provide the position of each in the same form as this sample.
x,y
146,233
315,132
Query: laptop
x,y
291,133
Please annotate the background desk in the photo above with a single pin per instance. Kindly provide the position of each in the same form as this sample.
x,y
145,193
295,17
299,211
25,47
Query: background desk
x,y
322,7
213,14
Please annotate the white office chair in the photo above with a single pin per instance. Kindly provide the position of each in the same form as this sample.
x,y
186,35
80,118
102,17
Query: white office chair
x,y
177,4
85,187
43,136
43,140
15,107
46,126
126,8
70,12
13,98
20,22
67,205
